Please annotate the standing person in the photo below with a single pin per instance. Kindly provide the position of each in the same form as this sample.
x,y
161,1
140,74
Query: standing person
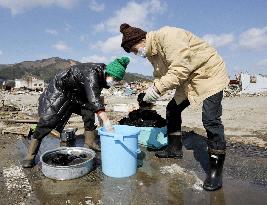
x,y
76,90
184,62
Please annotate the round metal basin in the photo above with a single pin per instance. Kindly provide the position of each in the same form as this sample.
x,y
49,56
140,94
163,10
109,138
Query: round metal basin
x,y
66,163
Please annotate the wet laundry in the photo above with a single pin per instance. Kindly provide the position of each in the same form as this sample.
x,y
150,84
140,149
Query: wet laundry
x,y
143,118
60,159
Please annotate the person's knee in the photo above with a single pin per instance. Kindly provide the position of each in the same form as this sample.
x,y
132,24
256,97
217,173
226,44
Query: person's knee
x,y
212,123
211,117
44,126
211,111
207,123
40,133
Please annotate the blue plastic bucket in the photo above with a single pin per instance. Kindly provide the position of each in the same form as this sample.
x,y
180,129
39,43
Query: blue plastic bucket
x,y
119,151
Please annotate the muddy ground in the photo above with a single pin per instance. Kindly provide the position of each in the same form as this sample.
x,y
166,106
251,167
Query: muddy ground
x,y
164,181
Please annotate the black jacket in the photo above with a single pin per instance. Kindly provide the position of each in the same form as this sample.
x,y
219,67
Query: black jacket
x,y
81,84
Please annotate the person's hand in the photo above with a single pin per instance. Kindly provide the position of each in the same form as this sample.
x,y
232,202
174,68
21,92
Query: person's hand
x,y
106,122
151,95
108,126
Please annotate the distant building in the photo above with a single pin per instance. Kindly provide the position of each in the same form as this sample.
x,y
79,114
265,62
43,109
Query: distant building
x,y
253,83
30,82
8,85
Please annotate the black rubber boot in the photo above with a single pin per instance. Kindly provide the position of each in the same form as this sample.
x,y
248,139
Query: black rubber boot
x,y
33,149
173,149
214,179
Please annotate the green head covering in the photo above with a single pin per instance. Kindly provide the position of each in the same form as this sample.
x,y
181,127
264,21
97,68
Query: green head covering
x,y
117,67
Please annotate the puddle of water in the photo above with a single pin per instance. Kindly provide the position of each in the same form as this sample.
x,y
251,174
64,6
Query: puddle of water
x,y
48,143
148,186
144,188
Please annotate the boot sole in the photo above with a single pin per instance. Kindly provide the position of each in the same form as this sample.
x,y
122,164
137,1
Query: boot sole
x,y
207,188
166,157
28,166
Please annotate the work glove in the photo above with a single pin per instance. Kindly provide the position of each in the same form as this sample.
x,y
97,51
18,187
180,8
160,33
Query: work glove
x,y
151,95
108,126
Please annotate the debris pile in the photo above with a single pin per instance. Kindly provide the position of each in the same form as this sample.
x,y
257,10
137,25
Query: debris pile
x,y
19,130
8,107
232,90
249,141
13,118
247,150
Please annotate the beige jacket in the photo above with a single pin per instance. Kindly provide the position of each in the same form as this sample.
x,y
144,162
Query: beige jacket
x,y
183,61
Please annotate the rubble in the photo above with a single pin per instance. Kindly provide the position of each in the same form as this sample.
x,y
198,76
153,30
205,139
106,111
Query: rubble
x,y
249,140
30,121
11,113
8,107
125,107
247,150
232,90
19,130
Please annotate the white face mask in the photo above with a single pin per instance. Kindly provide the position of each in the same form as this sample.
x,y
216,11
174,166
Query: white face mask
x,y
141,52
110,81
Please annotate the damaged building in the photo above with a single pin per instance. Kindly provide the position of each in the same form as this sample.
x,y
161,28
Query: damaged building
x,y
251,84
30,82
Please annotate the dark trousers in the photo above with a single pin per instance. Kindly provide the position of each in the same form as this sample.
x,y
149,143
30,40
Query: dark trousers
x,y
211,118
45,126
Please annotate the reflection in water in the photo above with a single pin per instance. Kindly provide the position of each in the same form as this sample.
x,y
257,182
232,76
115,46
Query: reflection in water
x,y
141,189
117,191
217,197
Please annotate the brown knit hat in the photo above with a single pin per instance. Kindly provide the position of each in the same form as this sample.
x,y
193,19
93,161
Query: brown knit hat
x,y
131,36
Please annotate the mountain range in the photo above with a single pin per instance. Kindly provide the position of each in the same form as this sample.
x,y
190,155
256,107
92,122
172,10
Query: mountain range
x,y
46,69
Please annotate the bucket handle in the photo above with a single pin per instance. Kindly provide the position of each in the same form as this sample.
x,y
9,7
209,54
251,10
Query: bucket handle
x,y
118,137
115,136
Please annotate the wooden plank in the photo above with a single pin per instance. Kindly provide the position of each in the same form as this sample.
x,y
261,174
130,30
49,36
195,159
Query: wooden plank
x,y
30,121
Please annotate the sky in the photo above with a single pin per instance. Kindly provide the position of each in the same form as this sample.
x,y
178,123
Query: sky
x,y
88,30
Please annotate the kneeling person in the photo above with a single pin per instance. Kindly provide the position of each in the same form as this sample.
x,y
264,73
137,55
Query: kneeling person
x,y
76,90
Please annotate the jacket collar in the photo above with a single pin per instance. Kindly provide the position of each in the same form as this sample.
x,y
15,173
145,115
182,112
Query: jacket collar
x,y
151,44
